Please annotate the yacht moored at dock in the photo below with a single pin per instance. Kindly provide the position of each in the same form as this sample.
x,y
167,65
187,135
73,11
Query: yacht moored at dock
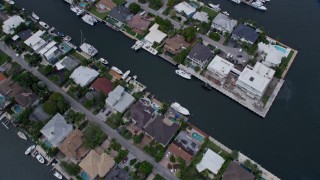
x,y
137,45
89,19
76,10
225,13
215,7
36,17
176,106
88,49
57,175
258,5
10,2
117,70
22,135
40,159
44,25
183,74
31,148
103,61
236,1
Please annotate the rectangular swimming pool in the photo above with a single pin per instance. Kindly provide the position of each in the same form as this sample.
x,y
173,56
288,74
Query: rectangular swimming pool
x,y
281,49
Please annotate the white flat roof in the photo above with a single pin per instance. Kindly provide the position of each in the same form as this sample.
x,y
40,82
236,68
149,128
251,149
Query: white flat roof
x,y
11,23
185,7
220,65
211,161
59,66
84,75
35,38
47,47
273,55
52,50
201,16
155,35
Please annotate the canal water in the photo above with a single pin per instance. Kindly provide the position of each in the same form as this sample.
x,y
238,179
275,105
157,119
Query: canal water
x,y
286,142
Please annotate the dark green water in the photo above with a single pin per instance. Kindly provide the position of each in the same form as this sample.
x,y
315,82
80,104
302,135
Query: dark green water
x,y
286,142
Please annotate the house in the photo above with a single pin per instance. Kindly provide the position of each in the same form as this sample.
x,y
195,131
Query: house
x,y
223,23
68,63
220,67
155,35
175,44
273,54
119,100
47,47
161,129
35,41
200,55
185,8
201,16
254,81
102,85
245,34
141,113
105,6
72,146
118,173
84,75
56,130
121,14
24,35
95,164
211,161
139,23
52,54
10,24
236,172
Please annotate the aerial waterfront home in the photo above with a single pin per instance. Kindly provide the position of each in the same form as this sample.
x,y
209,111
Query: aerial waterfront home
x,y
35,41
155,35
185,8
211,161
68,63
273,54
56,130
139,23
25,34
119,100
220,67
245,33
236,172
254,81
200,55
201,16
102,85
10,24
84,75
105,6
95,164
141,113
175,44
121,14
223,23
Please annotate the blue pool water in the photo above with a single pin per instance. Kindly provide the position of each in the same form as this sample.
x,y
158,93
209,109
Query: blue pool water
x,y
65,47
17,108
83,4
281,49
84,176
47,143
2,99
197,136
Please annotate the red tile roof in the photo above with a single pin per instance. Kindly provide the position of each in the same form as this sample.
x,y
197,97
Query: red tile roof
x,y
2,77
102,85
174,149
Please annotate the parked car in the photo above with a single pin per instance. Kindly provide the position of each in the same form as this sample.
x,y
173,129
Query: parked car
x,y
125,160
168,154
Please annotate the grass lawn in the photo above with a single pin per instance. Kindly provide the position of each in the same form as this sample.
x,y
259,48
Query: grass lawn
x,y
3,58
129,30
211,13
79,56
96,13
119,2
283,65
140,36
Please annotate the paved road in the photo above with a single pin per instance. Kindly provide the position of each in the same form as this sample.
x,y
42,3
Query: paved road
x,y
91,117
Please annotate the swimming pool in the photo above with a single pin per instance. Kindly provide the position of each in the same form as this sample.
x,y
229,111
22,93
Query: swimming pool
x,y
197,136
281,49
16,108
84,176
2,99
83,4
47,144
65,47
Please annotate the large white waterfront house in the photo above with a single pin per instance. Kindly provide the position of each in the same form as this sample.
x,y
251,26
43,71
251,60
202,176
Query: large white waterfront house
x,y
220,67
254,81
10,24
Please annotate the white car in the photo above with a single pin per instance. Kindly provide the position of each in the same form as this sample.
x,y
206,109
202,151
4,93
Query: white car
x,y
103,61
168,154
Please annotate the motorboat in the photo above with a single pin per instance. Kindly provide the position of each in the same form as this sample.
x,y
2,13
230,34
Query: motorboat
x,y
117,70
22,135
44,25
215,7
125,75
89,19
10,2
40,159
206,86
76,10
137,45
36,17
57,175
258,5
88,49
236,1
67,38
31,148
176,106
103,61
226,13
183,74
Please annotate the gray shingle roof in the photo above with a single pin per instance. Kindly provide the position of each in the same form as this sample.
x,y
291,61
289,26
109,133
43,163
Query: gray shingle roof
x,y
223,23
200,52
119,99
70,63
246,32
121,14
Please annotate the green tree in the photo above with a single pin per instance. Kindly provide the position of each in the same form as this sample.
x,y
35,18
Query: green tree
x,y
137,138
23,117
133,161
197,68
171,3
165,25
155,4
50,107
33,59
214,36
121,155
114,145
70,168
93,136
172,159
145,167
189,33
158,177
134,8
164,108
181,57
75,117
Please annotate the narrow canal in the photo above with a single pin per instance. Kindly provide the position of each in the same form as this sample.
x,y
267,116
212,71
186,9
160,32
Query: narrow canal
x,y
286,142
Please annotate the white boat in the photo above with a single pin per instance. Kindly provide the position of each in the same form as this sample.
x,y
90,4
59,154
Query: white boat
x,y
57,175
67,38
22,135
258,5
216,7
125,75
88,49
35,16
236,1
103,61
76,10
137,45
10,2
31,148
43,24
176,106
89,19
183,74
117,70
226,13
40,158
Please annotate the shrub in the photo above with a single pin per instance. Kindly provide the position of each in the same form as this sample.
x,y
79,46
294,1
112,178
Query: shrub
x,y
134,8
133,161
50,107
214,36
70,168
